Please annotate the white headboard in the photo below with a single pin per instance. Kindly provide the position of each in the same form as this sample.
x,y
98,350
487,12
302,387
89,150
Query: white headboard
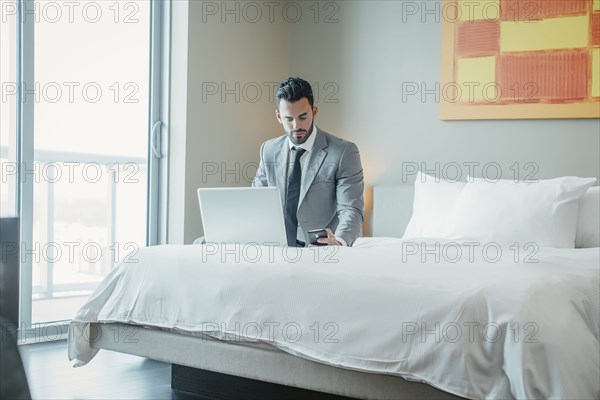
x,y
392,209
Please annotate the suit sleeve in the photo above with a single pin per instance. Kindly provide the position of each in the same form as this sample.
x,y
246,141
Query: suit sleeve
x,y
260,180
349,192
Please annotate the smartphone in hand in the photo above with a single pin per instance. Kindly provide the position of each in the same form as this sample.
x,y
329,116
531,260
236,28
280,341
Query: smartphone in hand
x,y
315,234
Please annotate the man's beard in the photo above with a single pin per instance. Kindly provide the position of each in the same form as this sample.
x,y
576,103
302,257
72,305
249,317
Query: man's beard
x,y
302,139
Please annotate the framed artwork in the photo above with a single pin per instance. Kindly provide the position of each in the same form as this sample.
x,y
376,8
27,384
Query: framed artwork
x,y
520,59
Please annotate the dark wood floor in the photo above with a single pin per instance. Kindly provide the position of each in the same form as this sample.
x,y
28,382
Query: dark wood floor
x,y
109,375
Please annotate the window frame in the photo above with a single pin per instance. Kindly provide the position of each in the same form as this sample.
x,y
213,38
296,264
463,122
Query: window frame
x,y
156,216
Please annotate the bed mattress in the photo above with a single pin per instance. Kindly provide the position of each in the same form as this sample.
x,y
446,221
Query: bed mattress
x,y
521,325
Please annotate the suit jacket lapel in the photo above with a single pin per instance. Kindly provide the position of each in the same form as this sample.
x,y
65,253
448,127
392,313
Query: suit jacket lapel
x,y
317,155
281,168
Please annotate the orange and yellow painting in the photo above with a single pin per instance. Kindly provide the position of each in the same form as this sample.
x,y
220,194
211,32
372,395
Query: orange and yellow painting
x,y
516,59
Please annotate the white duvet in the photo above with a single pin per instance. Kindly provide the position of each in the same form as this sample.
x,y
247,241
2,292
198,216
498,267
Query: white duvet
x,y
473,321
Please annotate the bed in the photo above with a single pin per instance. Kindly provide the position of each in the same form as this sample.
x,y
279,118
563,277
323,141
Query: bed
x,y
389,318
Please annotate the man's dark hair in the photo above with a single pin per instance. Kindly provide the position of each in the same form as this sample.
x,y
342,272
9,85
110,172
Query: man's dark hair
x,y
294,89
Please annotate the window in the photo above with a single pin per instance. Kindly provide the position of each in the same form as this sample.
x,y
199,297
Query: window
x,y
86,101
90,148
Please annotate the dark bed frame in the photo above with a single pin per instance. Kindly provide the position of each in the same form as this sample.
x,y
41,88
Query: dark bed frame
x,y
210,385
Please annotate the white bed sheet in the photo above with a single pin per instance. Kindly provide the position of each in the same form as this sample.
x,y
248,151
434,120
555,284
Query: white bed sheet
x,y
471,327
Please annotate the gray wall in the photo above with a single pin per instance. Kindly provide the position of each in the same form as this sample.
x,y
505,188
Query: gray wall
x,y
358,65
222,134
370,52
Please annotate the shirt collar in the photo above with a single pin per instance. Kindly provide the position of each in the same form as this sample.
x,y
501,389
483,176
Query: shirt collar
x,y
308,145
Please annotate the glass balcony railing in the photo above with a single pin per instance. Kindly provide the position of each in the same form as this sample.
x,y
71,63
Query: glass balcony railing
x,y
89,215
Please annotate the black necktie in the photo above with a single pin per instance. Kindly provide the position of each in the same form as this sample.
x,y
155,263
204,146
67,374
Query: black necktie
x,y
292,196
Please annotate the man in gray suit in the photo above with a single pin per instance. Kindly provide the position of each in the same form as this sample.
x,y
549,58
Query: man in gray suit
x,y
319,176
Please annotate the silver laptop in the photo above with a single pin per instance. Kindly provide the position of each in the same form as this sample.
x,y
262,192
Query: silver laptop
x,y
242,215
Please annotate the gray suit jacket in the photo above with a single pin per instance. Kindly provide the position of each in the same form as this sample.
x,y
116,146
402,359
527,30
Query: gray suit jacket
x,y
331,192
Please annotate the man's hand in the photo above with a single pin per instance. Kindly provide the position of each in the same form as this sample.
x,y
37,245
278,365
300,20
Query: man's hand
x,y
330,240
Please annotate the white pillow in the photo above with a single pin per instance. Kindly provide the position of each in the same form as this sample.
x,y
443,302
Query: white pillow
x,y
434,199
588,224
507,212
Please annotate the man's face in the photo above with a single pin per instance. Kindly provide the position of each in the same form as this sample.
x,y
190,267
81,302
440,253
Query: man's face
x,y
297,119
